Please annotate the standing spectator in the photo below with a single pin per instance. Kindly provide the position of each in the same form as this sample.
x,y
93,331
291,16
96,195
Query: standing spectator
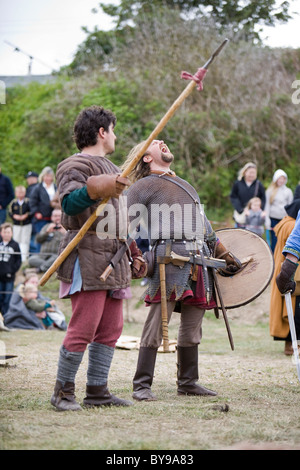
x,y
32,181
278,195
19,211
246,187
6,195
40,200
49,237
255,216
297,192
9,265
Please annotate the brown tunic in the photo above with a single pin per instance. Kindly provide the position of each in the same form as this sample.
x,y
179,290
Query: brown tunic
x,y
94,251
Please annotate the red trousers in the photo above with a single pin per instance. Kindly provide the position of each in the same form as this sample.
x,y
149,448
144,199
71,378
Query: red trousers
x,y
96,317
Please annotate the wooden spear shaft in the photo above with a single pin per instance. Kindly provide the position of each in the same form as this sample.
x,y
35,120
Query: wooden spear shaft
x,y
160,126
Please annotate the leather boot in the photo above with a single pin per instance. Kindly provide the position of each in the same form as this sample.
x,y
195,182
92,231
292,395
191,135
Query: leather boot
x,y
288,348
143,378
99,395
187,373
63,397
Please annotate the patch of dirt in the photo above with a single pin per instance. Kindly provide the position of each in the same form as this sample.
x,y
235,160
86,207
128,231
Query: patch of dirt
x,y
252,313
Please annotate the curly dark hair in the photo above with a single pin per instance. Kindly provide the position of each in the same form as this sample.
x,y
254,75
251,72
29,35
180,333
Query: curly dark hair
x,y
88,123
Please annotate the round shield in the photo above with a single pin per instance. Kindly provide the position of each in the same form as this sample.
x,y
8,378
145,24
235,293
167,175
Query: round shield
x,y
257,267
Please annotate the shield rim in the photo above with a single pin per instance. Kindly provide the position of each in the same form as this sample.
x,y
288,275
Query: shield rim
x,y
267,283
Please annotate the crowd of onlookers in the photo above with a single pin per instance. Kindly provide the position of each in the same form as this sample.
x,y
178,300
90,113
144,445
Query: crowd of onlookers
x,y
34,232
259,209
30,234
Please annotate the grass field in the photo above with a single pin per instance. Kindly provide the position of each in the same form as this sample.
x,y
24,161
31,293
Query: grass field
x,y
256,407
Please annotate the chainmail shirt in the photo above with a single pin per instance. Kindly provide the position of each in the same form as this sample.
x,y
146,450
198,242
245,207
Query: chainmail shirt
x,y
169,208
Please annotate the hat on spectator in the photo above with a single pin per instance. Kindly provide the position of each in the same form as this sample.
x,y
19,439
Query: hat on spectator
x,y
31,173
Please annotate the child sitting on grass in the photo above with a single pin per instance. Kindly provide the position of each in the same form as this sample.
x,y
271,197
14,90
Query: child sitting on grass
x,y
29,294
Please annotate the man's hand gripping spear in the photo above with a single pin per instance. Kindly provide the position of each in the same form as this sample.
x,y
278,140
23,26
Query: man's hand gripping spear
x,y
195,80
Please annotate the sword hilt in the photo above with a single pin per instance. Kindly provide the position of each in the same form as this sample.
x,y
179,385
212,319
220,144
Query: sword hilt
x,y
106,273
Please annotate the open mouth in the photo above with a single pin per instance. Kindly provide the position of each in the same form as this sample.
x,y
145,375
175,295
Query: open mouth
x,y
164,148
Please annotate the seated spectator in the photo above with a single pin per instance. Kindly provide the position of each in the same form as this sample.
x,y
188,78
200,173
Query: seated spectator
x,y
10,263
29,294
19,211
49,238
20,316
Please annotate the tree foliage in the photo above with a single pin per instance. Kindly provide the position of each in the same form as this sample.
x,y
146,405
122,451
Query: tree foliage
x,y
239,19
238,15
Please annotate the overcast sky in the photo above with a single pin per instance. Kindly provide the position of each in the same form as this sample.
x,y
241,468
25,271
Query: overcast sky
x,y
50,31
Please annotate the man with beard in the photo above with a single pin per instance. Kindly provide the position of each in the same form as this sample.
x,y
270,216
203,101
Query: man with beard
x,y
171,211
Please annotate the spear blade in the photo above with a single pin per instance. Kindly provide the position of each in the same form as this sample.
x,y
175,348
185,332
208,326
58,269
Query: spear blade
x,y
214,54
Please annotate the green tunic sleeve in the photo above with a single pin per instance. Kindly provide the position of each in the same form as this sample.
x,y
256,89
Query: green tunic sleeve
x,y
77,201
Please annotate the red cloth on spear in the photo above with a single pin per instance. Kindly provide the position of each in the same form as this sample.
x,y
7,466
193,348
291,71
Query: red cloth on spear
x,y
197,77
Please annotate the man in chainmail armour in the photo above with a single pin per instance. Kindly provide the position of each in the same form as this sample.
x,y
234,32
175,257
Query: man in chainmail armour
x,y
169,208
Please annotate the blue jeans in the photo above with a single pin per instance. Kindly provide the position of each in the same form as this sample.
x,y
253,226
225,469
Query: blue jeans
x,y
6,289
2,216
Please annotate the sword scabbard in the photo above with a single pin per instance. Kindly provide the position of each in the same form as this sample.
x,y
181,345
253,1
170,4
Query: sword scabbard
x,y
223,310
